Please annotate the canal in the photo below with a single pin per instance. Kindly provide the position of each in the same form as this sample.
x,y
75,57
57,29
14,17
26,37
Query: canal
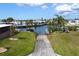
x,y
40,30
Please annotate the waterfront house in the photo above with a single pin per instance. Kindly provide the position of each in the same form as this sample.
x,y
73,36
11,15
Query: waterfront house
x,y
73,23
4,30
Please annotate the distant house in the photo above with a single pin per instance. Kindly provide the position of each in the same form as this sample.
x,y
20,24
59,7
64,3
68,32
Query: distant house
x,y
4,30
23,22
73,23
38,21
19,22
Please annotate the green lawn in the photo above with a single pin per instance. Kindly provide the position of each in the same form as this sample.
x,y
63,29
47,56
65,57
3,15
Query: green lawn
x,y
66,44
23,46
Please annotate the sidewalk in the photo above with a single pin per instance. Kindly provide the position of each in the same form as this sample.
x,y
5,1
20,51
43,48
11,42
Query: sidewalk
x,y
43,47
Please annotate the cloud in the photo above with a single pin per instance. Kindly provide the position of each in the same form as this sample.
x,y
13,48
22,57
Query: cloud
x,y
55,4
20,4
30,4
65,13
40,1
44,6
67,8
36,4
63,8
60,8
75,6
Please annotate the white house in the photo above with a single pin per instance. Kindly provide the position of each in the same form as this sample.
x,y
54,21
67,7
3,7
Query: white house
x,y
19,22
38,21
73,23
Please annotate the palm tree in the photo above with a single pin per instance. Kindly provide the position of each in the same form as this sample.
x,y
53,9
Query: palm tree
x,y
56,24
60,22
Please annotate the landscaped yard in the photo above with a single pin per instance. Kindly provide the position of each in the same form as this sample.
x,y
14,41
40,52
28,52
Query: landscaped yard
x,y
23,46
65,43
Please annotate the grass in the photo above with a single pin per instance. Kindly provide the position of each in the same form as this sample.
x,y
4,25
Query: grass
x,y
66,44
23,46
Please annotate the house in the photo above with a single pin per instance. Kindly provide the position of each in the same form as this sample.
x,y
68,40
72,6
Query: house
x,y
73,23
39,21
4,30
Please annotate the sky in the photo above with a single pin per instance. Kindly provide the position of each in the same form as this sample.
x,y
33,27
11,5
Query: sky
x,y
23,11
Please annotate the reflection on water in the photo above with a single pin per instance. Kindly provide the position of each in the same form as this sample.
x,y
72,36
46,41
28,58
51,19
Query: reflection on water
x,y
21,29
38,30
41,30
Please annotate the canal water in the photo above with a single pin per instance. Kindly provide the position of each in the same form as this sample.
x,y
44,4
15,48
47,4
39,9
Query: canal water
x,y
39,30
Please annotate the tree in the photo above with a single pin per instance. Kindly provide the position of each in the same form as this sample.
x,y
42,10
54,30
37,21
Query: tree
x,y
49,23
10,19
56,24
3,20
35,25
12,28
60,22
29,22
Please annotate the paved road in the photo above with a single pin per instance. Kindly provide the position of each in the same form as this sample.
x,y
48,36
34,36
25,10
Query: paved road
x,y
43,47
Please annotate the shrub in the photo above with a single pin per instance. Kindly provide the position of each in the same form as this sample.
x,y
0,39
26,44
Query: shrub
x,y
72,28
49,29
12,30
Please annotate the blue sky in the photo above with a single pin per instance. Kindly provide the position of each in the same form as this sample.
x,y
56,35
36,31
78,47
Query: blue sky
x,y
38,10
